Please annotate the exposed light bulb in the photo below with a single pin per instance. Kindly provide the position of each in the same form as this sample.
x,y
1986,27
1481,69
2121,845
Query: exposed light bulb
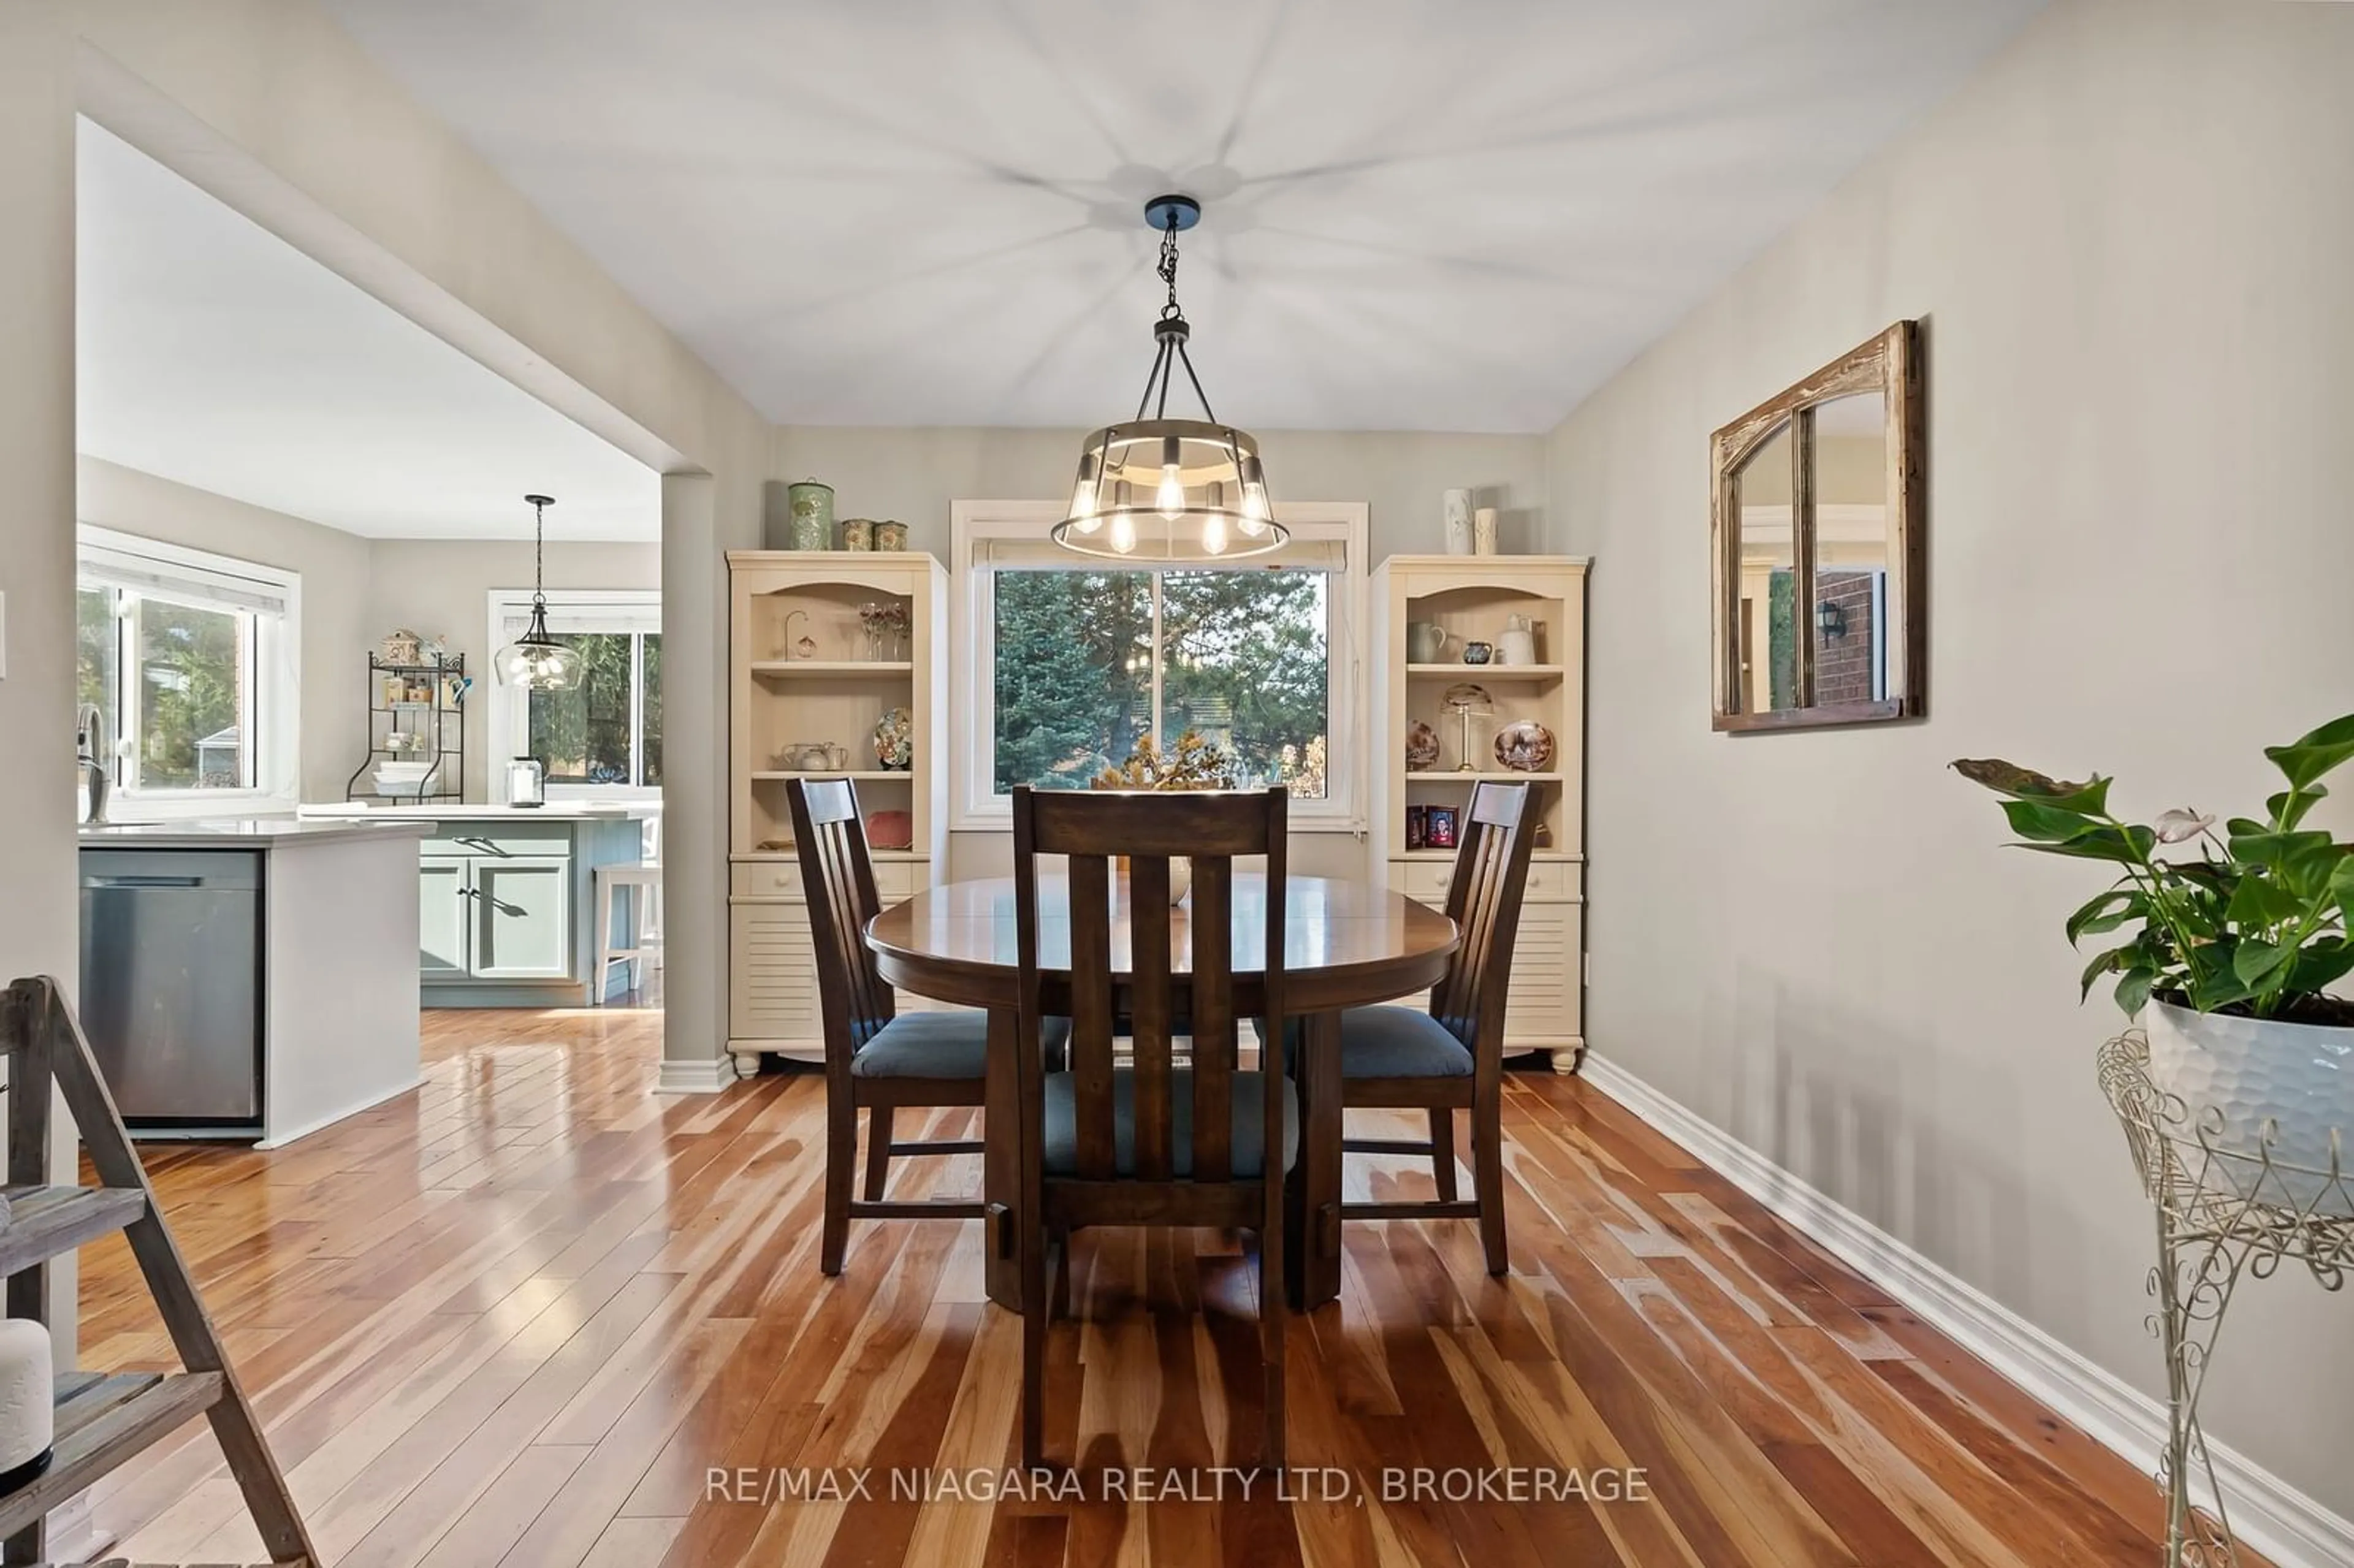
x,y
1169,499
1214,536
1123,533
1256,514
1085,494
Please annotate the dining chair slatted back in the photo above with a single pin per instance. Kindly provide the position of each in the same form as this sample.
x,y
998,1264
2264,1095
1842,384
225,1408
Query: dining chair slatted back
x,y
1454,1059
937,1059
838,881
1149,1143
1483,899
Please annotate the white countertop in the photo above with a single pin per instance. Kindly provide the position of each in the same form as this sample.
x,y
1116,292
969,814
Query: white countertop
x,y
452,811
243,833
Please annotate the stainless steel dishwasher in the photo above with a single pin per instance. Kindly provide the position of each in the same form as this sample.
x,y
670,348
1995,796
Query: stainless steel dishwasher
x,y
171,986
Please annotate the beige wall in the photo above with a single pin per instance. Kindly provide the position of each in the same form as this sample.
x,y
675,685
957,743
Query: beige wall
x,y
36,491
442,587
38,928
334,570
914,474
2127,241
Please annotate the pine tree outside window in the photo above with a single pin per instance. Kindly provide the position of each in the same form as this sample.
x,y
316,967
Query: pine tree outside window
x,y
1076,664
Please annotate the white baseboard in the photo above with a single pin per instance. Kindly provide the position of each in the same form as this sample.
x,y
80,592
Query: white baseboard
x,y
706,1076
282,1138
2269,1515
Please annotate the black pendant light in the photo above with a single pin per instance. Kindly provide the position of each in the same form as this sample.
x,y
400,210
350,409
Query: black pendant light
x,y
535,661
1160,489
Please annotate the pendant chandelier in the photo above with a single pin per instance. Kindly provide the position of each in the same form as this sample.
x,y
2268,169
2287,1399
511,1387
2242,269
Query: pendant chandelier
x,y
1159,489
536,662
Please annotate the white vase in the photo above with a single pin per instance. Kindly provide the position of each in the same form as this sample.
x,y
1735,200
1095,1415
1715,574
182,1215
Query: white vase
x,y
2254,1084
1458,522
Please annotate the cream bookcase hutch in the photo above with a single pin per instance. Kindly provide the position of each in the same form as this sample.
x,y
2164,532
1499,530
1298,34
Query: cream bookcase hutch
x,y
1473,599
803,675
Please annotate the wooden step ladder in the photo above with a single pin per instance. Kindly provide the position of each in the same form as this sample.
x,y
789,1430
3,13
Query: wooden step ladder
x,y
103,1421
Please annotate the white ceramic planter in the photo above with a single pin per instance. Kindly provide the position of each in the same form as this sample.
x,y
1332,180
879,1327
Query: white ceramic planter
x,y
2298,1077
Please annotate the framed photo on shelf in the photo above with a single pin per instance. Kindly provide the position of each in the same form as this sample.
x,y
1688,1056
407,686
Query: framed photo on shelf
x,y
1439,828
1416,826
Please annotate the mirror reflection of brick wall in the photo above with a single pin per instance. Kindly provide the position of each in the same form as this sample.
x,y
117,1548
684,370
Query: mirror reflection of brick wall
x,y
1847,662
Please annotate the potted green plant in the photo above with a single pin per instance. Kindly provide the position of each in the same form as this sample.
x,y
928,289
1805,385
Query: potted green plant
x,y
2224,946
1191,764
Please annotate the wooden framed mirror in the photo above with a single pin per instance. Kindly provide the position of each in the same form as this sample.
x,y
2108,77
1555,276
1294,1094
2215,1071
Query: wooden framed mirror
x,y
1817,548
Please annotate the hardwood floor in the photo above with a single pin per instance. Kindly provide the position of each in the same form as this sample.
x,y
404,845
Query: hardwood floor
x,y
534,1314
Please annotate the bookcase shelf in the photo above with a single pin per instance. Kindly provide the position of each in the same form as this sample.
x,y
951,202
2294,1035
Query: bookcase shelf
x,y
798,680
1472,597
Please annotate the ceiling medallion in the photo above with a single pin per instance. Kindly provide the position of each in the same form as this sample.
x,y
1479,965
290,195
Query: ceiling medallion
x,y
1159,490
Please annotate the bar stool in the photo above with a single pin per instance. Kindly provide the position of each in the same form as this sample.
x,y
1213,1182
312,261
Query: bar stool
x,y
644,941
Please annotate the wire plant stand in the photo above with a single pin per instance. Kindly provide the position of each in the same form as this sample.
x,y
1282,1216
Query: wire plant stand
x,y
2225,1212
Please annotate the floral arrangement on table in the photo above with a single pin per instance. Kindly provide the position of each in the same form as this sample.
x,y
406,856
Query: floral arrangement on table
x,y
1193,764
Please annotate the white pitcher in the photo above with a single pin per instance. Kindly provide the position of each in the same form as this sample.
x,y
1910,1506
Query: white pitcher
x,y
1517,643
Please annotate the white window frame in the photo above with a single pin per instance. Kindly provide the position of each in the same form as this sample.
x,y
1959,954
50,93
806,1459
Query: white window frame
x,y
568,610
973,525
272,711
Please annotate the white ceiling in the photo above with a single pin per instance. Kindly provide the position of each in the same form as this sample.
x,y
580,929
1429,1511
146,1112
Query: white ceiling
x,y
1421,214
212,352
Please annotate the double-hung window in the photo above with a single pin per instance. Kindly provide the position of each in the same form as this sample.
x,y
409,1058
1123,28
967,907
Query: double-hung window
x,y
603,736
1078,659
190,661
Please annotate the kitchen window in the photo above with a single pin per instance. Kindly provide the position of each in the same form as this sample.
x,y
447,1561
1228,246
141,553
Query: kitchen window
x,y
1077,660
602,737
189,660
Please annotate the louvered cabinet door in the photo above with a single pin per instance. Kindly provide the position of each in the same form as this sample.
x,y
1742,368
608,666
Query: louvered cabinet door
x,y
1542,1008
772,976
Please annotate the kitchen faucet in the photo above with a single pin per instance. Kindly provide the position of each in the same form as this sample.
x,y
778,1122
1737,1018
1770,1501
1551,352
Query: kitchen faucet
x,y
88,725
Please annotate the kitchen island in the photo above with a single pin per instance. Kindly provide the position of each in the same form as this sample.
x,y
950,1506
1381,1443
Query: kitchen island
x,y
507,898
249,978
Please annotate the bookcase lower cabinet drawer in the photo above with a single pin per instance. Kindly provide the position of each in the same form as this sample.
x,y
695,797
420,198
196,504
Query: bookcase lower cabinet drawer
x,y
1544,1006
772,973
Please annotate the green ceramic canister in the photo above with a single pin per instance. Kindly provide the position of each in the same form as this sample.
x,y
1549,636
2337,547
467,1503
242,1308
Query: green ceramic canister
x,y
811,504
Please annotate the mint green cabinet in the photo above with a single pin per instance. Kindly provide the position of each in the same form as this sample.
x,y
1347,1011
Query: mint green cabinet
x,y
506,909
445,909
522,917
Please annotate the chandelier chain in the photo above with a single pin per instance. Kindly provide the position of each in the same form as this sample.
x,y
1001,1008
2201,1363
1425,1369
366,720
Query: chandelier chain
x,y
1168,271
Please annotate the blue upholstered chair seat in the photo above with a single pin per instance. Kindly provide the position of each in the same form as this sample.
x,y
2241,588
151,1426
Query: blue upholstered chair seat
x,y
1392,1043
1060,1154
944,1046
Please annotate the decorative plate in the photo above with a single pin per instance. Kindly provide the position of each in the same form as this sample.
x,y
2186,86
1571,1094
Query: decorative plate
x,y
1421,748
1525,747
895,739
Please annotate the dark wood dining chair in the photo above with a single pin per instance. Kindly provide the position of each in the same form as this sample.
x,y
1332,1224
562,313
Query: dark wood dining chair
x,y
875,1059
1450,1057
1149,1143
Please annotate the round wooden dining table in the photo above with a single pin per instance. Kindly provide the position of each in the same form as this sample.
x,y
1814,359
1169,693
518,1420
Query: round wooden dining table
x,y
1345,944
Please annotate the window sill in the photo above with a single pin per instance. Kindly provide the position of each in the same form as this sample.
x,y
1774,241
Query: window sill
x,y
1004,824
